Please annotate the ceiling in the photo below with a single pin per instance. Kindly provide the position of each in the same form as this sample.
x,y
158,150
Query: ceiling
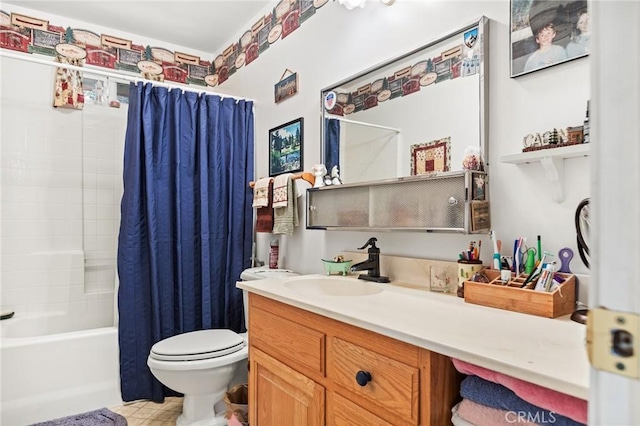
x,y
201,25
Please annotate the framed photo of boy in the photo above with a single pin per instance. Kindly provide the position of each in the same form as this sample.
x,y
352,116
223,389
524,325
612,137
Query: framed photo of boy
x,y
285,147
547,32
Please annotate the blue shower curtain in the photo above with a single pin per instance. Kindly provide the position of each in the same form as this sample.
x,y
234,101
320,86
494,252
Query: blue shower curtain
x,y
186,226
332,143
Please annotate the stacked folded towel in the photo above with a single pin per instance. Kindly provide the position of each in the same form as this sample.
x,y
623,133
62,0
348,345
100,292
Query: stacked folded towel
x,y
554,401
513,408
471,413
285,204
456,420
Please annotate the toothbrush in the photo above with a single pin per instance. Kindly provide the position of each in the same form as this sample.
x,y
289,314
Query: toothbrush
x,y
517,255
496,251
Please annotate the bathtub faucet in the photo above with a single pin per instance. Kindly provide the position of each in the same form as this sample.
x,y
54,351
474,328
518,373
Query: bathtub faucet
x,y
372,264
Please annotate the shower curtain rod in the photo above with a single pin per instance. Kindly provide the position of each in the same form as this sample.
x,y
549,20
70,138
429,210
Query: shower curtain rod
x,y
115,75
346,120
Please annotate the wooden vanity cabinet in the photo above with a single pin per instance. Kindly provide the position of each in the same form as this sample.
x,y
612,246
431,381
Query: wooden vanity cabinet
x,y
304,368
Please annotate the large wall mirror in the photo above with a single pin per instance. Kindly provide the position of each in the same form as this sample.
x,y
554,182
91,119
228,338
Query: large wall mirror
x,y
420,113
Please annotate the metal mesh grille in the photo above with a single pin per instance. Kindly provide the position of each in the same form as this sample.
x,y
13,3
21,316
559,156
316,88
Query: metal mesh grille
x,y
437,203
348,207
434,203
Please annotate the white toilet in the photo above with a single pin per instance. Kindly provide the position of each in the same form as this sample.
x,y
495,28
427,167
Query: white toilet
x,y
203,364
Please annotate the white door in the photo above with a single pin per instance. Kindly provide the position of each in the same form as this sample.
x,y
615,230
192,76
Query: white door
x,y
615,134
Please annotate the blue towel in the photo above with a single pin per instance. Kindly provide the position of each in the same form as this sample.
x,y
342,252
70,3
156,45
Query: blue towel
x,y
497,396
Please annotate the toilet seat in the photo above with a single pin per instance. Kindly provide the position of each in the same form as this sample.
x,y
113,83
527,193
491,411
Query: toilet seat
x,y
198,345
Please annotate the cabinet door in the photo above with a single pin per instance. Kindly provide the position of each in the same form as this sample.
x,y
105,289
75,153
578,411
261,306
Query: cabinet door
x,y
282,396
342,412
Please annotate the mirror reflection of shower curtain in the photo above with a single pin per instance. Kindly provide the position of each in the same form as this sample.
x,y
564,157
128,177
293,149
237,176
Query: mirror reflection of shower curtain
x,y
332,143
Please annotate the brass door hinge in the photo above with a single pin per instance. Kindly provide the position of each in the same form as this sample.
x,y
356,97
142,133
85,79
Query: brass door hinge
x,y
613,341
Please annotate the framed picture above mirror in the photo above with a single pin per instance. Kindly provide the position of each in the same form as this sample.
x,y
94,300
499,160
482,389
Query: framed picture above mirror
x,y
547,32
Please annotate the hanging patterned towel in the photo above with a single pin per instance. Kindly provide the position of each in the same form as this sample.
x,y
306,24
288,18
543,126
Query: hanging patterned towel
x,y
261,192
285,219
264,215
68,85
280,190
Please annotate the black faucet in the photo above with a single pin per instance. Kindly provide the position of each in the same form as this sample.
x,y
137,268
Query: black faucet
x,y
372,264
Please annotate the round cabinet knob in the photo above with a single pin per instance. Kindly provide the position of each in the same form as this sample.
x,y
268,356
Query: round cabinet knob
x,y
363,377
453,201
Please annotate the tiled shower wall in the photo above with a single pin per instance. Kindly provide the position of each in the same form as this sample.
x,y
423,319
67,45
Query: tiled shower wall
x,y
61,189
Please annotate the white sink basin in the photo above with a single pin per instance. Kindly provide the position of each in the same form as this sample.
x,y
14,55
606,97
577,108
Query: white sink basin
x,y
332,286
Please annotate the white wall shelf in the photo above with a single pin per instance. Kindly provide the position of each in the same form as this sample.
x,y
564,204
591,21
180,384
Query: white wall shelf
x,y
571,151
552,160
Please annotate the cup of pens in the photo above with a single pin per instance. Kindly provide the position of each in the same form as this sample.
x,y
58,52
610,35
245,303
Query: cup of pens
x,y
468,264
467,268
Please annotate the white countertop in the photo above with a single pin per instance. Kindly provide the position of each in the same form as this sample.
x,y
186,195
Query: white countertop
x,y
547,352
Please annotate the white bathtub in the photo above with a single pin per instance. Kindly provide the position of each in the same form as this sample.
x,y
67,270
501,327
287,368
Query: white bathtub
x,y
50,376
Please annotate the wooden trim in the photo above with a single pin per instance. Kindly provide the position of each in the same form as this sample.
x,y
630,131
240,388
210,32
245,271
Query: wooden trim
x,y
306,176
439,389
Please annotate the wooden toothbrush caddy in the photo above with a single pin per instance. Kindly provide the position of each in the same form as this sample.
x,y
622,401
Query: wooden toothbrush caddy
x,y
511,297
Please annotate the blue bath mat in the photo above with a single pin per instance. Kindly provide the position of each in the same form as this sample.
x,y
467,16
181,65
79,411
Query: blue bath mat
x,y
101,417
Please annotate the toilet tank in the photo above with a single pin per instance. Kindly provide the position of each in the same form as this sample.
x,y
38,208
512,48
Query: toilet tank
x,y
260,273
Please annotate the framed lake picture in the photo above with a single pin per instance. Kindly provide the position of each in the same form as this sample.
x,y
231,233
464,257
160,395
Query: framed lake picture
x,y
547,32
285,147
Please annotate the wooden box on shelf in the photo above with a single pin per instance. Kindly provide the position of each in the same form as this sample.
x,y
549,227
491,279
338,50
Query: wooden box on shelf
x,y
511,297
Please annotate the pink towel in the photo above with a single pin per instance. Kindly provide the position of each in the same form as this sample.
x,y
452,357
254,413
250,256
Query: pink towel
x,y
481,415
456,420
563,404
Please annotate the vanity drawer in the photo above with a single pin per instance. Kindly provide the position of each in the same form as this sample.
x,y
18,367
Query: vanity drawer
x,y
393,387
297,345
342,412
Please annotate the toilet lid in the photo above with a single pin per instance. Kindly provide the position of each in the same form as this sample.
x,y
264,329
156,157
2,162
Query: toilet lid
x,y
264,272
195,345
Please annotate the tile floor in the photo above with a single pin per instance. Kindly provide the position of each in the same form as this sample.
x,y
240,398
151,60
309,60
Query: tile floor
x,y
148,413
